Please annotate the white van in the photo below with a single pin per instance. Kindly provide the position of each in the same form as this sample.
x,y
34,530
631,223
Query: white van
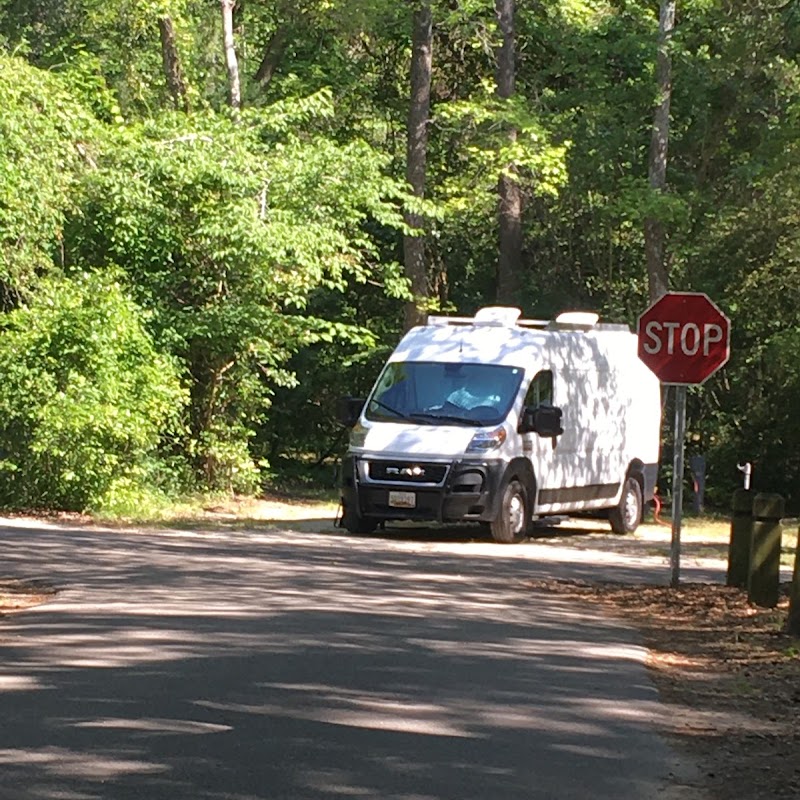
x,y
502,420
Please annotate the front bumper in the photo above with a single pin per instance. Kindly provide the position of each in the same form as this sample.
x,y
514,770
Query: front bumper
x,y
442,490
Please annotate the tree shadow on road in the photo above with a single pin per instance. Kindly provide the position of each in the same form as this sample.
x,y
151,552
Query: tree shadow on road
x,y
267,664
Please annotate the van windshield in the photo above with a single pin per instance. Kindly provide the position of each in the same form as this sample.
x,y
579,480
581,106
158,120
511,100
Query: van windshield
x,y
435,393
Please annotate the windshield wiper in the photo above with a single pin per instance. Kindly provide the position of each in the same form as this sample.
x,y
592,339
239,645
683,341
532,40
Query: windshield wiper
x,y
398,414
425,418
388,408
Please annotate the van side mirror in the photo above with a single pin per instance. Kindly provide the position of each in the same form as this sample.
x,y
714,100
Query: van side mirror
x,y
542,420
349,410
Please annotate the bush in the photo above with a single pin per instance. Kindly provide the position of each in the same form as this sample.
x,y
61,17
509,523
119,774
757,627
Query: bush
x,y
85,399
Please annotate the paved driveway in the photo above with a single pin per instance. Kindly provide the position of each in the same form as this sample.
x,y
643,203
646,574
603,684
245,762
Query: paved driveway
x,y
298,664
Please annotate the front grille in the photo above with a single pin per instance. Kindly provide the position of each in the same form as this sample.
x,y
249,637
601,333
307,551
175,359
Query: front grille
x,y
406,472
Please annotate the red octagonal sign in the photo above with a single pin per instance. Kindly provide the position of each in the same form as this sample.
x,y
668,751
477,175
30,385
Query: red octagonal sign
x,y
684,338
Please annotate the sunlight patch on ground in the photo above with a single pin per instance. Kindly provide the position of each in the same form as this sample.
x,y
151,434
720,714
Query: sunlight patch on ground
x,y
389,716
19,683
67,762
155,725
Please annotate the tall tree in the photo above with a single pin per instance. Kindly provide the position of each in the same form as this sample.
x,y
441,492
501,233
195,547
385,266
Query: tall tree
x,y
172,63
416,158
231,61
508,188
654,229
273,52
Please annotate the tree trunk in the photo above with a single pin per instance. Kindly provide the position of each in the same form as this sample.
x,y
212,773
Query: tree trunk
x,y
231,62
654,229
273,53
416,160
508,188
172,64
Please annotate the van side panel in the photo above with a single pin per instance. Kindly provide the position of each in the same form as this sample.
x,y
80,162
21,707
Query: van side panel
x,y
611,419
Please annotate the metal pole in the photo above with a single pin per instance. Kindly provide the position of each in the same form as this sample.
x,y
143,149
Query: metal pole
x,y
677,484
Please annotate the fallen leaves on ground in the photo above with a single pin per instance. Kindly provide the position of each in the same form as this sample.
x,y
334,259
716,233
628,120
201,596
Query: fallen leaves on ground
x,y
728,674
17,595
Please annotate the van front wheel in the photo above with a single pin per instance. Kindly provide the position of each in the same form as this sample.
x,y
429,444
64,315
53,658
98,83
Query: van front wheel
x,y
625,518
353,522
511,523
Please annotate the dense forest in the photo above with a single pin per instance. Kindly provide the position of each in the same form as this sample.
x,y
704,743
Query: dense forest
x,y
217,217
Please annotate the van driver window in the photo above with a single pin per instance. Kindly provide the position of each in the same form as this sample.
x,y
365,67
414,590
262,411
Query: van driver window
x,y
540,392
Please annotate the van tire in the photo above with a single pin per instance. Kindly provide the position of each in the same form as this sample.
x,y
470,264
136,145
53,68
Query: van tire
x,y
353,522
513,515
625,517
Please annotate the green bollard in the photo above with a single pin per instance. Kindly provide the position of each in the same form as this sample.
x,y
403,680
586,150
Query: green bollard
x,y
763,585
793,621
741,537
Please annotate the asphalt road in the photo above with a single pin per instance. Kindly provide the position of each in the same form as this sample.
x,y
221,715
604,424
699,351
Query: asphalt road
x,y
245,665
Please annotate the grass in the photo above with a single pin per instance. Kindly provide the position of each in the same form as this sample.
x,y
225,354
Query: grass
x,y
715,530
204,508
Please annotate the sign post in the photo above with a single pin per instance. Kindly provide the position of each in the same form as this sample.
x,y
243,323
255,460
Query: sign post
x,y
677,486
684,339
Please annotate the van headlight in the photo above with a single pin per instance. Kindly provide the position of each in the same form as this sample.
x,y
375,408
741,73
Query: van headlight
x,y
483,441
358,435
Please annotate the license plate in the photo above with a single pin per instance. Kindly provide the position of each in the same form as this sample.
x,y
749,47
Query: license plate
x,y
402,499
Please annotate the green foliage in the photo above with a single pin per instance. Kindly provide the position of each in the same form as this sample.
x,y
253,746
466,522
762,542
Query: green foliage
x,y
482,126
265,253
224,230
337,366
45,139
83,76
740,168
120,36
85,399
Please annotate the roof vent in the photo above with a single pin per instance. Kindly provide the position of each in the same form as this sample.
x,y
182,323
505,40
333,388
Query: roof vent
x,y
577,320
498,316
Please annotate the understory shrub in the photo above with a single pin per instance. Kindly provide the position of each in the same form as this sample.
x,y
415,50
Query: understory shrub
x,y
85,398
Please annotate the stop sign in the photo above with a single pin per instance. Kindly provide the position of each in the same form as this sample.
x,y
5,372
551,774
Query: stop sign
x,y
684,338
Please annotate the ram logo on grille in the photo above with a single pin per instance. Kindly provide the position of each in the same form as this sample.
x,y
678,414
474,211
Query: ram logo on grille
x,y
411,472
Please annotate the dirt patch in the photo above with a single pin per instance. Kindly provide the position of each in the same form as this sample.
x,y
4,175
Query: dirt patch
x,y
17,595
269,507
222,512
728,673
